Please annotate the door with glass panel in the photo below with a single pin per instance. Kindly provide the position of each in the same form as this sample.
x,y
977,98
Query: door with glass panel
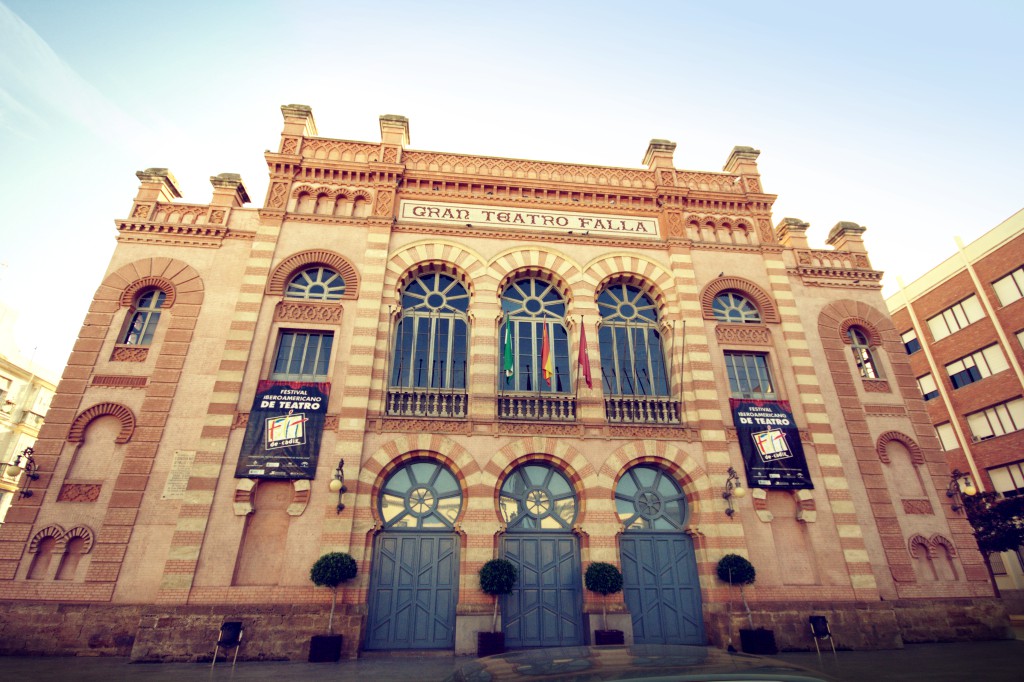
x,y
546,606
659,568
414,575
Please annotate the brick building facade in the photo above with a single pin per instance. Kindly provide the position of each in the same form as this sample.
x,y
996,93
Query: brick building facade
x,y
437,305
962,324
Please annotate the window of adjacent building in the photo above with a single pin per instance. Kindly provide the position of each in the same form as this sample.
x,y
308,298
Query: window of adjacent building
x,y
732,307
1020,338
1010,288
632,354
911,342
5,389
303,356
534,312
928,388
316,284
977,366
749,376
947,437
431,337
1008,480
956,317
143,318
863,355
997,420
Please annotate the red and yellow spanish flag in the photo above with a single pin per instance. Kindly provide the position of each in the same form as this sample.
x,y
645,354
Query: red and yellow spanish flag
x,y
546,364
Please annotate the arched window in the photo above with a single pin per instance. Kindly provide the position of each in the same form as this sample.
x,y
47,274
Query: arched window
x,y
537,497
316,284
862,354
729,306
431,337
421,495
143,318
648,499
534,313
632,356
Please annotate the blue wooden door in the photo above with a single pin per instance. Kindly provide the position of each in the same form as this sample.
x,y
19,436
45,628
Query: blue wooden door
x,y
546,607
413,590
661,588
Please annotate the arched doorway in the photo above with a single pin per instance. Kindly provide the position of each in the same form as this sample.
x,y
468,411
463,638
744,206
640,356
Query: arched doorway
x,y
414,577
659,568
539,507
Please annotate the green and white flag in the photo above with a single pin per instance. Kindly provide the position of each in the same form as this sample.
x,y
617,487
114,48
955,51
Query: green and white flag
x,y
506,363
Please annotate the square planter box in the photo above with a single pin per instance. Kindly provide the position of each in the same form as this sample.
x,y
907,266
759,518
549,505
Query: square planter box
x,y
759,641
608,637
324,648
489,643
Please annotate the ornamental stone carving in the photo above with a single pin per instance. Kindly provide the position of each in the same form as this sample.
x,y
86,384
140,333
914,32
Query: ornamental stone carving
x,y
129,354
426,425
917,507
278,194
79,492
876,386
744,334
303,311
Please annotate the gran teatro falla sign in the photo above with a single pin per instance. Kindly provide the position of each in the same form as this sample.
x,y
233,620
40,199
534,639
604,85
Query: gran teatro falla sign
x,y
565,222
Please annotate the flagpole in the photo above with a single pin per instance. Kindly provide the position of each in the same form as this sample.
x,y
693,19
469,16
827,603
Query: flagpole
x,y
388,361
682,369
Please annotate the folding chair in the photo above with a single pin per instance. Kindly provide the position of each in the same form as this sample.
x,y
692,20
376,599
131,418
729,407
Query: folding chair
x,y
230,635
820,630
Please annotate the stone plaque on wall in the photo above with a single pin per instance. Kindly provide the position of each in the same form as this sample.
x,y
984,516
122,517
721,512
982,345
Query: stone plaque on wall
x,y
177,479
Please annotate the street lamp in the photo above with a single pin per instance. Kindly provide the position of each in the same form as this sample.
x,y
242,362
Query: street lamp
x,y
959,482
26,463
733,488
337,484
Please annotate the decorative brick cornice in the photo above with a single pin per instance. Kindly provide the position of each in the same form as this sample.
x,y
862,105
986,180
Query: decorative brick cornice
x,y
744,334
307,311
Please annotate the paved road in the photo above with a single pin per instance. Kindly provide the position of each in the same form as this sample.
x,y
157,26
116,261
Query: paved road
x,y
1001,661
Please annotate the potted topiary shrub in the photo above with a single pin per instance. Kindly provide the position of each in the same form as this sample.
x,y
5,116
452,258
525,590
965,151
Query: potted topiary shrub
x,y
736,570
604,579
330,570
497,578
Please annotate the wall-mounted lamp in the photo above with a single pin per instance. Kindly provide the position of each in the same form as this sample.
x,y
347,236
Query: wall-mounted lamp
x,y
337,484
733,488
26,463
959,484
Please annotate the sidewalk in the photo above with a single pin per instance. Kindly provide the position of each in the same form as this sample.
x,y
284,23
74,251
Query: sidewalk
x,y
999,661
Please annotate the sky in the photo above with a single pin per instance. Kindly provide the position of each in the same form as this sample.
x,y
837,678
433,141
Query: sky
x,y
904,117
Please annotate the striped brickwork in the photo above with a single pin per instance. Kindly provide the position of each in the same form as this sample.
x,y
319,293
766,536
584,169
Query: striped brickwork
x,y
833,478
194,513
717,534
70,414
832,324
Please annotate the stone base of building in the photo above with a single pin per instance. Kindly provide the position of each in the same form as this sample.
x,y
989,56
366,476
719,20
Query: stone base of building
x,y
280,632
865,625
170,634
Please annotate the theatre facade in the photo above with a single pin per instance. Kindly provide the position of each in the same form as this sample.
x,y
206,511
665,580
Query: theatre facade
x,y
552,363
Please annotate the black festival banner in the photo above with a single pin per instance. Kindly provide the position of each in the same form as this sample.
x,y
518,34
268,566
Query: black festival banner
x,y
770,443
286,425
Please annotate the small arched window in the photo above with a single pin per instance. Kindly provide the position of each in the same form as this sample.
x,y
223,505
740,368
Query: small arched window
x,y
316,284
143,318
729,306
862,354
